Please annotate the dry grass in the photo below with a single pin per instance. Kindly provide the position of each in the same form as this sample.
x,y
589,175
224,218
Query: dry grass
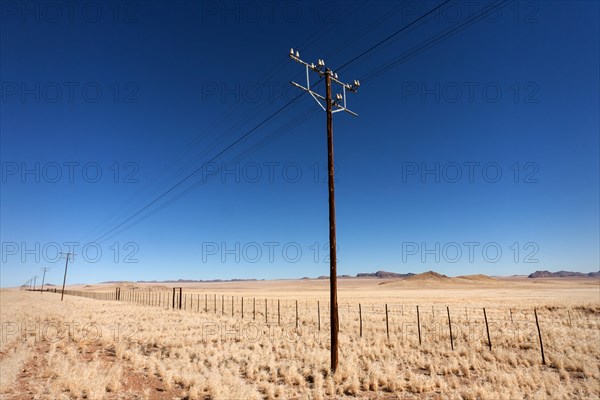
x,y
130,351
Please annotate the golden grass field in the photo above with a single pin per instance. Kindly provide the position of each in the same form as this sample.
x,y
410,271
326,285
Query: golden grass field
x,y
106,349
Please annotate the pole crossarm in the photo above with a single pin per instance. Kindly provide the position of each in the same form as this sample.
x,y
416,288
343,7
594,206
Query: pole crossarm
x,y
340,98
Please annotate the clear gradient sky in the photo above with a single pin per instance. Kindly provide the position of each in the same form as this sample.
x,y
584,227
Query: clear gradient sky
x,y
477,152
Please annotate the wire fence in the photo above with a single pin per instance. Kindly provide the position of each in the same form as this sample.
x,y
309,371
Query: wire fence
x,y
455,325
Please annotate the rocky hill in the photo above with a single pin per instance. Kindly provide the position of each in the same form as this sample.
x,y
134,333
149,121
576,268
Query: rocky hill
x,y
430,275
563,274
383,275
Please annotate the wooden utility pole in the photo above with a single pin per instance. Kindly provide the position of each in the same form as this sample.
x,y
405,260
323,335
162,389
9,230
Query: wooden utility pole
x,y
44,269
62,295
340,105
333,313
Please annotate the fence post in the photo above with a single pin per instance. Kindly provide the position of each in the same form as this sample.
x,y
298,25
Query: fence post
x,y
296,314
419,324
360,318
569,315
173,298
180,292
254,310
319,314
487,328
232,304
215,302
387,325
266,313
511,318
242,307
278,313
222,304
540,335
450,326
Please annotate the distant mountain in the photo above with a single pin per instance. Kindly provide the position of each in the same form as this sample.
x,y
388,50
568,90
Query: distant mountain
x,y
383,275
429,275
183,281
563,274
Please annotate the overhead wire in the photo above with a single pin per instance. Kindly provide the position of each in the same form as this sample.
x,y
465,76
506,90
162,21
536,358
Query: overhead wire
x,y
131,202
274,135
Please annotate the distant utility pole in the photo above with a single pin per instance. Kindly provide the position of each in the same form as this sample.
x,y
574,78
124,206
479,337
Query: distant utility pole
x,y
34,280
43,277
62,295
340,105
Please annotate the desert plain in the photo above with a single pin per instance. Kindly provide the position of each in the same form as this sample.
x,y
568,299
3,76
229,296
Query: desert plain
x,y
270,339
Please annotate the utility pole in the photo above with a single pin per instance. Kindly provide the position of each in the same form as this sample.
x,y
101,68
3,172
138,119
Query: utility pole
x,y
340,105
43,277
62,295
34,280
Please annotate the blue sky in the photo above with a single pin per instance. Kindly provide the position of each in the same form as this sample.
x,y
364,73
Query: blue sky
x,y
477,153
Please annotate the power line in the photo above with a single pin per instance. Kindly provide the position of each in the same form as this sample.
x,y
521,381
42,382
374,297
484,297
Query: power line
x,y
201,167
279,132
437,39
411,53
131,202
392,35
232,130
